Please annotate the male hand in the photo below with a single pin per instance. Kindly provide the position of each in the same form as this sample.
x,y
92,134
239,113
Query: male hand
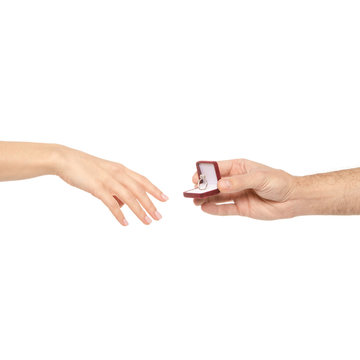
x,y
251,189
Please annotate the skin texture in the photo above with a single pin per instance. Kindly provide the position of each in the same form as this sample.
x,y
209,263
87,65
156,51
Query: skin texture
x,y
254,190
111,182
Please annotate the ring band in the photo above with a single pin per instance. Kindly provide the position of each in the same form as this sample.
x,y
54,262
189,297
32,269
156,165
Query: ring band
x,y
202,183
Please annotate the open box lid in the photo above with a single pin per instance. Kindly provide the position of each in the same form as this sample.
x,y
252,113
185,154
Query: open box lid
x,y
209,175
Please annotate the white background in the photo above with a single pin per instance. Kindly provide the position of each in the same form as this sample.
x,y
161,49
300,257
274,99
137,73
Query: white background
x,y
158,85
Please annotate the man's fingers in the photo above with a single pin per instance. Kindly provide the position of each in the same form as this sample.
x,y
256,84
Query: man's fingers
x,y
224,167
221,210
238,183
235,166
239,167
217,199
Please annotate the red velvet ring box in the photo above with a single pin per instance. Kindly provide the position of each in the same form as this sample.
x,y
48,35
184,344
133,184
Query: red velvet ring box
x,y
209,175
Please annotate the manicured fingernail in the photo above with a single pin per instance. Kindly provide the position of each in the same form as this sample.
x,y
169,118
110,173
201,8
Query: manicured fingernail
x,y
147,220
125,222
157,215
164,197
225,184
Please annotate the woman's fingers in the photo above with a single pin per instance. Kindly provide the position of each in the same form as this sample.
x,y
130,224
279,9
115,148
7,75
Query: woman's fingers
x,y
112,183
121,204
149,186
223,210
133,194
143,199
114,207
130,200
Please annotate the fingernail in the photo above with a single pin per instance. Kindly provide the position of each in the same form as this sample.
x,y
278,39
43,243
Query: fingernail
x,y
164,197
147,220
157,215
225,184
125,222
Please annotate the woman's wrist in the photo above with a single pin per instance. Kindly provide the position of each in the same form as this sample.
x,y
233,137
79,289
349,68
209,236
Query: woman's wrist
x,y
56,158
23,160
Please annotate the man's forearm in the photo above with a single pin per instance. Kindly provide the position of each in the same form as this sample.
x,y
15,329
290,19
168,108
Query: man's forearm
x,y
21,160
335,193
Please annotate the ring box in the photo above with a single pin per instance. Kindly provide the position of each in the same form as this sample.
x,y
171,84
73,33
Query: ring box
x,y
209,175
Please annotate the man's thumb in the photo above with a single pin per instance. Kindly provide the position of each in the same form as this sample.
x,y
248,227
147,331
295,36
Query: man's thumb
x,y
240,182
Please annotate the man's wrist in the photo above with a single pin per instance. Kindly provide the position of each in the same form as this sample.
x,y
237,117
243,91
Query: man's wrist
x,y
320,194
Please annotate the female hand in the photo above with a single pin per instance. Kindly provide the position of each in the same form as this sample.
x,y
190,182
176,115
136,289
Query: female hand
x,y
112,183
251,189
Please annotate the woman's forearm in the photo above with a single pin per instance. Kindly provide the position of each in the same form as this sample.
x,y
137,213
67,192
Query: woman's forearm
x,y
22,160
111,182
